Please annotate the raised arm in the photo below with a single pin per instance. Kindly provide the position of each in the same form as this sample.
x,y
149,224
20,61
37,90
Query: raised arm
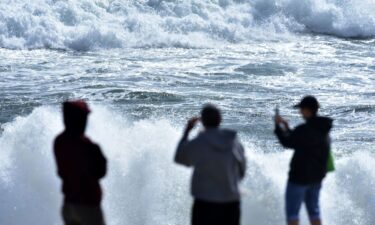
x,y
284,133
184,149
285,137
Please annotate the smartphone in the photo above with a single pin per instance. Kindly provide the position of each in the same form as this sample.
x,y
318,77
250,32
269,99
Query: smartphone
x,y
277,111
277,114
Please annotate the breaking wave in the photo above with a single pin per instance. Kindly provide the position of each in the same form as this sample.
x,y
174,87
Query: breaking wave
x,y
97,24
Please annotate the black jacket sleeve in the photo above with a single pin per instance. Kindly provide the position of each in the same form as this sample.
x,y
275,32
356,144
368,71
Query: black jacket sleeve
x,y
288,138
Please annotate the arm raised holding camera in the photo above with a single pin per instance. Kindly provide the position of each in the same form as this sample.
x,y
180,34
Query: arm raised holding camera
x,y
283,131
184,150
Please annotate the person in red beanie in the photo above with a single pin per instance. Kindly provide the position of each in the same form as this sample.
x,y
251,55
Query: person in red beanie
x,y
80,165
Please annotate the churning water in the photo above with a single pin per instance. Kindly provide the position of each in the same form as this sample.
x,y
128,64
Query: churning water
x,y
146,66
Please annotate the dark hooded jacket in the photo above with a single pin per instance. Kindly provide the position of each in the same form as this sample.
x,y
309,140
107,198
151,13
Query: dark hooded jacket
x,y
80,162
311,144
219,164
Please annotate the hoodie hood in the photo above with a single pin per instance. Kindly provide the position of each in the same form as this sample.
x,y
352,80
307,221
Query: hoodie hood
x,y
75,116
323,124
220,139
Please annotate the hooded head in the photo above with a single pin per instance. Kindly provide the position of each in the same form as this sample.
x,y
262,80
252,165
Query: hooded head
x,y
211,116
75,116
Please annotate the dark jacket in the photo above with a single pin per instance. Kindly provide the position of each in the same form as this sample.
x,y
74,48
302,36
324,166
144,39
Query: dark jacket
x,y
80,165
311,143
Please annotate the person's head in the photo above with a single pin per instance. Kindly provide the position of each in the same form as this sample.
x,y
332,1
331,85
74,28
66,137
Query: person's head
x,y
210,116
75,116
309,107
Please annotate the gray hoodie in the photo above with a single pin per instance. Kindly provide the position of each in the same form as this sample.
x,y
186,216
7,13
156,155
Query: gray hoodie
x,y
219,164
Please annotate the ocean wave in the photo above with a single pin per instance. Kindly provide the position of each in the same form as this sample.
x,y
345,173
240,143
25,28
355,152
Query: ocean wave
x,y
89,25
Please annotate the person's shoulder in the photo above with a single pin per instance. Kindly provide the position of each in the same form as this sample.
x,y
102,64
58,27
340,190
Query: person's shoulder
x,y
229,132
58,144
326,120
221,131
220,135
59,138
300,128
92,145
86,140
60,135
199,137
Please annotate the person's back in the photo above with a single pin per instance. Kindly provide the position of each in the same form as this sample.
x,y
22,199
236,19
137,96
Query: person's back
x,y
219,164
215,155
80,165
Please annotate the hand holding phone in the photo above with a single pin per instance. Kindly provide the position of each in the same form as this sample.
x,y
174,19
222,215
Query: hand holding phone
x,y
280,121
191,123
277,111
278,118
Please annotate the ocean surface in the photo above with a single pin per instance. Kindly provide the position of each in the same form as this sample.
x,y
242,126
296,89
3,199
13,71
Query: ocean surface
x,y
146,66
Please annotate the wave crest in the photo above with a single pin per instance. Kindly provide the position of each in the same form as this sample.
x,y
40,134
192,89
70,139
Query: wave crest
x,y
89,25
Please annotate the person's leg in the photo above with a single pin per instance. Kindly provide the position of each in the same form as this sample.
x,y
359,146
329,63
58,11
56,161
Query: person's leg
x,y
210,213
312,203
316,222
294,197
91,215
232,213
219,213
199,213
69,215
293,222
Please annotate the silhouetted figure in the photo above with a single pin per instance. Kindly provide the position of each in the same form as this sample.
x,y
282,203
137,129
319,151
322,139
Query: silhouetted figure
x,y
80,165
311,144
219,164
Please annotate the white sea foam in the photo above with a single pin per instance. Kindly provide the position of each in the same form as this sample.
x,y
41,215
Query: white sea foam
x,y
90,25
145,187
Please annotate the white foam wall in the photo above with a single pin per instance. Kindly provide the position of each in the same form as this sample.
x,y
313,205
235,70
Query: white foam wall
x,y
145,187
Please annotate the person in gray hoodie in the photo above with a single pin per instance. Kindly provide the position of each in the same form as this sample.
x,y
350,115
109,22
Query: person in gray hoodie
x,y
219,163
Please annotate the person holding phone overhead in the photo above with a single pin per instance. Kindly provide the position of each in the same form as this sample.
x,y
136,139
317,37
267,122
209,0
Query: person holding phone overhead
x,y
311,144
219,164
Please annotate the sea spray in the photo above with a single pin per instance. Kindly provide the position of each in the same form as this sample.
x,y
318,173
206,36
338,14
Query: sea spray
x,y
145,187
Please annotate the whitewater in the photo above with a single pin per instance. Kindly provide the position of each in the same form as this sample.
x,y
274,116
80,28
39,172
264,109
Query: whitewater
x,y
146,66
88,24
